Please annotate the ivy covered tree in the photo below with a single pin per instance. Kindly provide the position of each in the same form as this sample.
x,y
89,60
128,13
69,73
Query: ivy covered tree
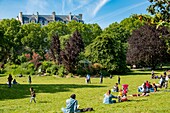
x,y
71,51
161,9
146,48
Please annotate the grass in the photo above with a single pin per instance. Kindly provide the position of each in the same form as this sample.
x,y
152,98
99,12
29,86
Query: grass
x,y
52,93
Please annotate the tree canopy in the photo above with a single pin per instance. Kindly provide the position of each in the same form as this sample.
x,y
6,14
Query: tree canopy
x,y
146,48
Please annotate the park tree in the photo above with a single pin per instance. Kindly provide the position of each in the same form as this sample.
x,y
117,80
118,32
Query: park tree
x,y
88,31
71,52
10,39
117,31
161,10
135,21
146,48
33,38
54,28
109,52
55,49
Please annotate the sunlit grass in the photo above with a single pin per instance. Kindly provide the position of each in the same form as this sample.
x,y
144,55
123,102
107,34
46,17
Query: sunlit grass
x,y
52,92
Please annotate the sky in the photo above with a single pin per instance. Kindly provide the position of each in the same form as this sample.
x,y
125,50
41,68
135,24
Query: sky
x,y
102,12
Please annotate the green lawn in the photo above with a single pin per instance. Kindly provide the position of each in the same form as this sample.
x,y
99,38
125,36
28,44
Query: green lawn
x,y
52,92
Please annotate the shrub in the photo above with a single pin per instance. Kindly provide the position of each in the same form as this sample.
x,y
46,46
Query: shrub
x,y
61,71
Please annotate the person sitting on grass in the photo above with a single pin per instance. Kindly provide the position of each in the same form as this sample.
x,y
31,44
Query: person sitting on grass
x,y
154,87
71,105
14,81
115,88
108,98
121,96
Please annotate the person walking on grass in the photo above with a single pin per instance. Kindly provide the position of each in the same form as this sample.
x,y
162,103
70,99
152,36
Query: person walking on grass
x,y
32,95
101,78
29,79
118,80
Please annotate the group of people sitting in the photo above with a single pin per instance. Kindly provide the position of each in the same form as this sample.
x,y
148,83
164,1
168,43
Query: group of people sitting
x,y
146,88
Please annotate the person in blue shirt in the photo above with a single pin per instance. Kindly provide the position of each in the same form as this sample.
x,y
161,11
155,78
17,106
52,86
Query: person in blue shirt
x,y
108,98
88,79
71,105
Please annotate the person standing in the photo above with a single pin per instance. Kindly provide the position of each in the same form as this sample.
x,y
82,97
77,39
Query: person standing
x,y
118,80
29,79
101,78
32,95
9,80
88,79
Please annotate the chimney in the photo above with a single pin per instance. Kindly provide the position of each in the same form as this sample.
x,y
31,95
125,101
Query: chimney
x,y
69,16
81,16
53,14
20,18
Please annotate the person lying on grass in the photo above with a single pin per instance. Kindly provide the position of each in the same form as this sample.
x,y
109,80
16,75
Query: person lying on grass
x,y
108,98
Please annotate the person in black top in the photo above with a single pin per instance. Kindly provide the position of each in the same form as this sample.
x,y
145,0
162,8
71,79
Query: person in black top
x,y
32,95
9,80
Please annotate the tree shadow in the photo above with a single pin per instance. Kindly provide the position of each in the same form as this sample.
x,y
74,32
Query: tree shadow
x,y
22,90
2,75
138,100
137,73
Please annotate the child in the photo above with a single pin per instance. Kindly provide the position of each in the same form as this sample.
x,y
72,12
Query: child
x,y
115,88
122,97
32,95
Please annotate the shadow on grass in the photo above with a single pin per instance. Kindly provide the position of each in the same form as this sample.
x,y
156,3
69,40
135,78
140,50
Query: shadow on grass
x,y
137,73
2,75
139,100
22,90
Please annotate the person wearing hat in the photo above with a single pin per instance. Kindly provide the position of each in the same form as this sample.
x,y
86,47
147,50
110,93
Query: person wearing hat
x,y
71,105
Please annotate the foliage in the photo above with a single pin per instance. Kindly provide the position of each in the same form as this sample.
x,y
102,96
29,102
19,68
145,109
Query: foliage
x,y
73,47
10,39
145,46
33,38
63,41
107,51
55,49
61,71
35,60
135,21
88,31
161,9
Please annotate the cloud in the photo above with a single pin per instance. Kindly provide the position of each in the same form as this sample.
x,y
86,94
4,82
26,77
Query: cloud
x,y
99,6
117,12
33,5
63,6
81,5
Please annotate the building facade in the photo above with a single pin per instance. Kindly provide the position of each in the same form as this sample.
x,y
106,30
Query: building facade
x,y
45,19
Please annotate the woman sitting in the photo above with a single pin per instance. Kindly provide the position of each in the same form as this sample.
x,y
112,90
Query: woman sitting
x,y
115,88
108,98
